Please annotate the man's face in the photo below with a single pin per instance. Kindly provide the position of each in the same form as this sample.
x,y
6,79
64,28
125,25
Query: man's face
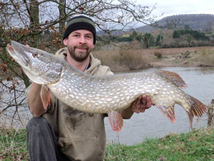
x,y
79,44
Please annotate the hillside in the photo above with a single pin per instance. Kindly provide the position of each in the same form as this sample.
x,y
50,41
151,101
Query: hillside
x,y
194,21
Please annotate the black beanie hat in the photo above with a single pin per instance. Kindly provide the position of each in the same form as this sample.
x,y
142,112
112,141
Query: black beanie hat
x,y
80,22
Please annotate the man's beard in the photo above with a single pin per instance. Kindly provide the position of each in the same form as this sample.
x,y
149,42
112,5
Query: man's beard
x,y
75,56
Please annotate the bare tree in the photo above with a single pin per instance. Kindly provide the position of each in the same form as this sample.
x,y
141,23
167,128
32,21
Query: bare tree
x,y
40,23
36,16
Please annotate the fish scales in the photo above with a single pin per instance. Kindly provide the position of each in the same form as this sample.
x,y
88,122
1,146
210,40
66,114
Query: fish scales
x,y
102,94
106,94
95,89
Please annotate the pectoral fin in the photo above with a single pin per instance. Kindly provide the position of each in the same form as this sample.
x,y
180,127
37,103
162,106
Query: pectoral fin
x,y
115,120
168,112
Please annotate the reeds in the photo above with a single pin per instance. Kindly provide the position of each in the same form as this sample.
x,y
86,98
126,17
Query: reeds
x,y
124,58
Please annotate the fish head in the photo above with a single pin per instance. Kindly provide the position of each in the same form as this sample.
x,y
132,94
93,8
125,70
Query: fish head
x,y
40,66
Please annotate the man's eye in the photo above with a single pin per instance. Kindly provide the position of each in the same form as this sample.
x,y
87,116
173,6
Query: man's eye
x,y
89,37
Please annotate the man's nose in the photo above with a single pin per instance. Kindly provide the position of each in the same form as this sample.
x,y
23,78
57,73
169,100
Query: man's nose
x,y
82,40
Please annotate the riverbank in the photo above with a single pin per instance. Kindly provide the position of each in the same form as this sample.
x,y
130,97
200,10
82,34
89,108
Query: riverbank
x,y
196,145
138,59
182,57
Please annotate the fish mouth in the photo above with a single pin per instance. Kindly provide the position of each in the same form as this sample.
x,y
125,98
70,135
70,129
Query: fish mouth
x,y
22,55
18,52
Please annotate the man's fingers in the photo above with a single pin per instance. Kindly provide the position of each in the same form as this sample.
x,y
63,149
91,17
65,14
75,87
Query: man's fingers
x,y
141,104
144,102
149,103
138,101
142,110
135,105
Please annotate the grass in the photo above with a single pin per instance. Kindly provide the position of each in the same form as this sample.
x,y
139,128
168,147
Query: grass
x,y
13,145
197,145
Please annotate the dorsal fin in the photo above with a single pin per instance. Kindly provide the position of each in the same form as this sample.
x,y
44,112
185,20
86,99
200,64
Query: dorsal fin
x,y
174,77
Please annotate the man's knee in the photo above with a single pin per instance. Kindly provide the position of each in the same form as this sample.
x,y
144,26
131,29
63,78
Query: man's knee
x,y
41,140
38,127
37,123
37,120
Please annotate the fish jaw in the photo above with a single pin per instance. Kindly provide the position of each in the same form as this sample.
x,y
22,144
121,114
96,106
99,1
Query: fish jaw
x,y
23,61
40,67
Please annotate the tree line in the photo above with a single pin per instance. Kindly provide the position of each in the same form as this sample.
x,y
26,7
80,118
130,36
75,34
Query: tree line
x,y
151,40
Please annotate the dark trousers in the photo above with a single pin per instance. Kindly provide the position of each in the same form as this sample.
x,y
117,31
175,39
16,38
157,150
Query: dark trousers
x,y
42,142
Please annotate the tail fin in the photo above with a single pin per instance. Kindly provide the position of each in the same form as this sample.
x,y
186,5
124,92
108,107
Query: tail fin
x,y
197,109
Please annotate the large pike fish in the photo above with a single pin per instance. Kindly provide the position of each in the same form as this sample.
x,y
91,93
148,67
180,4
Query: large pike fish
x,y
104,94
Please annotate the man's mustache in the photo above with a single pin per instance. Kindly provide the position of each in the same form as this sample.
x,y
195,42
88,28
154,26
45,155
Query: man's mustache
x,y
81,46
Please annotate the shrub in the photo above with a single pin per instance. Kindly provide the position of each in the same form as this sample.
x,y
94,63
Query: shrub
x,y
158,54
207,57
132,59
127,57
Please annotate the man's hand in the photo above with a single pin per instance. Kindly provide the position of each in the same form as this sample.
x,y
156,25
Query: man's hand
x,y
141,104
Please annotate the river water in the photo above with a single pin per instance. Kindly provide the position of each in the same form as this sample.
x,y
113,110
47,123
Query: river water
x,y
152,123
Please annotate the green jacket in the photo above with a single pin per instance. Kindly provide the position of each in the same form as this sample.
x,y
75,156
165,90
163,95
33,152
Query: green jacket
x,y
80,135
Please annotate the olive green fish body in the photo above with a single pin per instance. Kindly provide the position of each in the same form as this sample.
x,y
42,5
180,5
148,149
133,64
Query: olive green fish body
x,y
102,94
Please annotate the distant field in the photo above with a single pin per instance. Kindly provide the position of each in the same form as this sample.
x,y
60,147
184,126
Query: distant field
x,y
134,59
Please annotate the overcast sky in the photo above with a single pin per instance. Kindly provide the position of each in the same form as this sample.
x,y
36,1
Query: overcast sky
x,y
171,7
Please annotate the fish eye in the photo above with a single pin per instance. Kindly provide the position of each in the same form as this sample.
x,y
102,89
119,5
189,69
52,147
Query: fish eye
x,y
35,55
